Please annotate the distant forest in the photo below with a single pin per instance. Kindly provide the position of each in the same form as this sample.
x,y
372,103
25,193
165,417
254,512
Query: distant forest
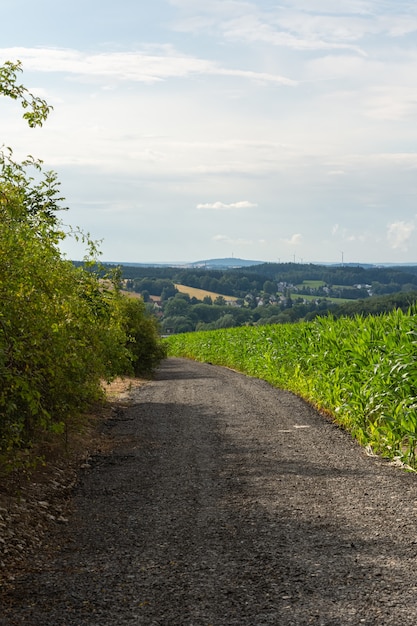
x,y
236,281
268,293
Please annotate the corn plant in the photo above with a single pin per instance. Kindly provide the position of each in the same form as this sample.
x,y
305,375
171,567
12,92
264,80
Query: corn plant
x,y
361,370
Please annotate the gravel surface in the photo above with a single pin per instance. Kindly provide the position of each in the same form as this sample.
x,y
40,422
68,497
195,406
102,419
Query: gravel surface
x,y
227,502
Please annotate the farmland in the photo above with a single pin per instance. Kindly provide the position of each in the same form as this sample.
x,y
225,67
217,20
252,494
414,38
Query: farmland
x,y
360,371
200,294
193,299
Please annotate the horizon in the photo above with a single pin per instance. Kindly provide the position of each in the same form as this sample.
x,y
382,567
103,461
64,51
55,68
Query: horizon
x,y
255,262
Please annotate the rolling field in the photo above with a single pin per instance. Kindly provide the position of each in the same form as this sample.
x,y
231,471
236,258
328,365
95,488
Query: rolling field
x,y
193,292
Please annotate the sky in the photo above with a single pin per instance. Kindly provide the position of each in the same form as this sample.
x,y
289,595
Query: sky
x,y
185,130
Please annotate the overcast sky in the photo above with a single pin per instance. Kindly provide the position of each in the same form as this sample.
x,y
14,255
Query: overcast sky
x,y
189,129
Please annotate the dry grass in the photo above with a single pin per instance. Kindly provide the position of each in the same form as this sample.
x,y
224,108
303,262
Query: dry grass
x,y
120,386
193,292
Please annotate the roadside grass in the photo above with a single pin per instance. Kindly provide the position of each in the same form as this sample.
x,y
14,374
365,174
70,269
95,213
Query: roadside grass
x,y
362,371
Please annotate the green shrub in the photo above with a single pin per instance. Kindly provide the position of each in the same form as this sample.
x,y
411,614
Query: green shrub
x,y
142,337
63,329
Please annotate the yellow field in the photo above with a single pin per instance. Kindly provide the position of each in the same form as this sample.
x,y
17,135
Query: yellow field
x,y
202,293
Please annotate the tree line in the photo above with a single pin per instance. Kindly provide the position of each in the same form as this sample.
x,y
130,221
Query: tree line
x,y
266,295
179,312
238,282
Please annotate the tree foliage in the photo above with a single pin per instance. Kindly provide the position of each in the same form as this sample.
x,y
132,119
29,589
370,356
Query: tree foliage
x,y
63,328
142,337
36,109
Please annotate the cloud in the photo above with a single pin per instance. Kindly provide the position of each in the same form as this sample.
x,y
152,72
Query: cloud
x,y
252,29
386,103
336,173
149,65
309,26
287,25
342,233
329,6
221,206
295,240
233,242
297,24
399,234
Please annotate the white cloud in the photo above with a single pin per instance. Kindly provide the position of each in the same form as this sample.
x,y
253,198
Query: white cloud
x,y
336,173
343,233
399,234
296,25
341,7
341,66
221,206
399,25
141,66
232,241
294,240
252,29
384,103
348,26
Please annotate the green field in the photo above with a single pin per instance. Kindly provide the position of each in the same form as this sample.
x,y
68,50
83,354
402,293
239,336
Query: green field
x,y
361,371
308,298
313,284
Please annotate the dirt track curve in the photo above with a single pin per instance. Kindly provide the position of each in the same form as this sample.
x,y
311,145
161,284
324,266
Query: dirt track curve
x,y
227,502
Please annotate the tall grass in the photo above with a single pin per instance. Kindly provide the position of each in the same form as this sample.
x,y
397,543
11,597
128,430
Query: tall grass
x,y
361,370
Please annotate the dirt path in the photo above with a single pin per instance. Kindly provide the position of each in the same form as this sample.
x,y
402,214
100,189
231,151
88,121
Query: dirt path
x,y
227,502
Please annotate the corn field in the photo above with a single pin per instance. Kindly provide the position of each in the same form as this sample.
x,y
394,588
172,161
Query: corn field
x,y
361,371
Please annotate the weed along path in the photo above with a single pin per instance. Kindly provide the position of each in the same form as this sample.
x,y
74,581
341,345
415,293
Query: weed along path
x,y
226,502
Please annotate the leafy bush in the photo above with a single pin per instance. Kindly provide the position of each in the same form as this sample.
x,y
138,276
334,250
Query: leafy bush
x,y
59,333
142,337
63,329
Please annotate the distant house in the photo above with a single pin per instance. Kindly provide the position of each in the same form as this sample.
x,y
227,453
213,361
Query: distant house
x,y
156,301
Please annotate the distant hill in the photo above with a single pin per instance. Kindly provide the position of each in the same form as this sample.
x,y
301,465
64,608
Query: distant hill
x,y
227,263
236,263
217,264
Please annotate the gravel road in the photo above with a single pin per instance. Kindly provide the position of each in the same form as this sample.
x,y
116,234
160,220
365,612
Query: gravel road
x,y
227,502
